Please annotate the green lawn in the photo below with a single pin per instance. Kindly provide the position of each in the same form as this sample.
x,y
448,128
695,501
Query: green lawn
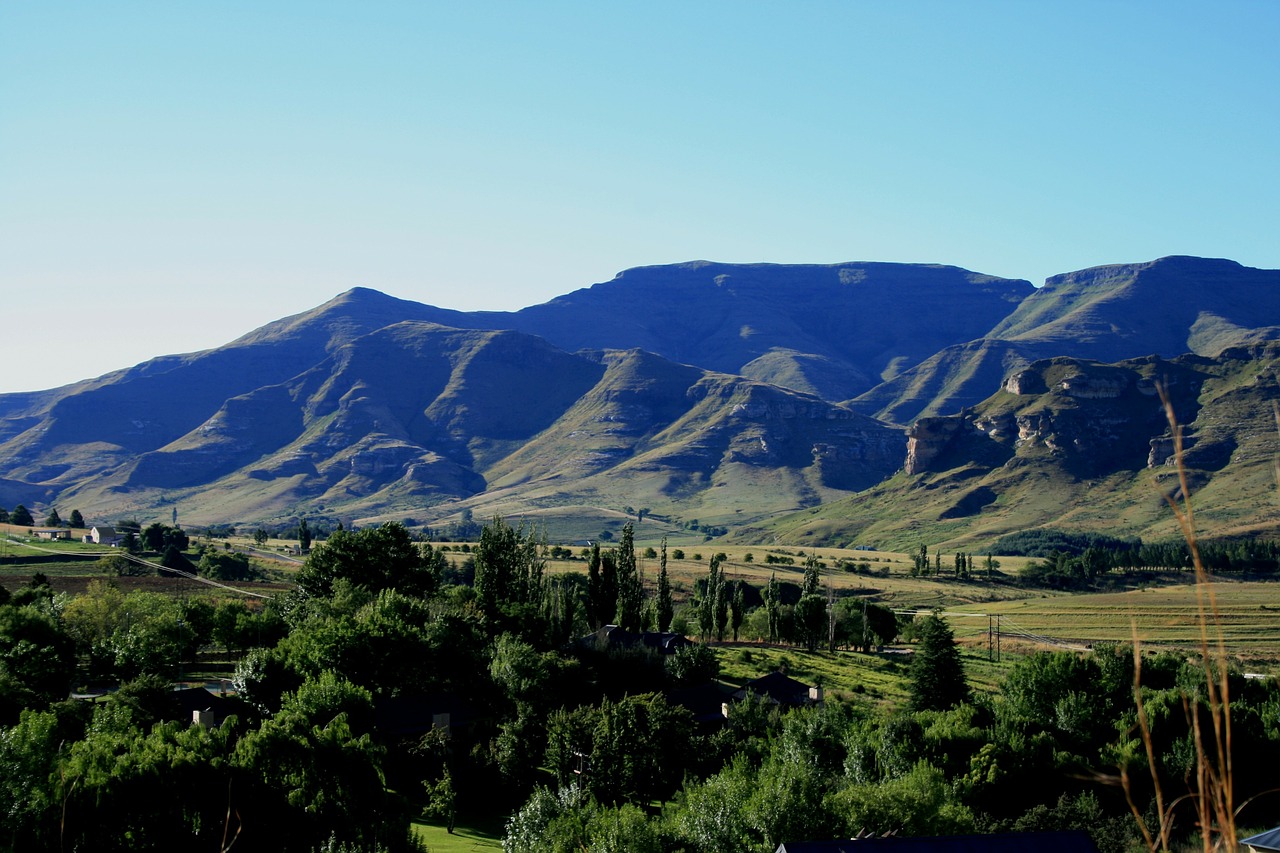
x,y
463,839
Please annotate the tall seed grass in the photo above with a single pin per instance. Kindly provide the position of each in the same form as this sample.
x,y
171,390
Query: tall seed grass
x,y
1211,790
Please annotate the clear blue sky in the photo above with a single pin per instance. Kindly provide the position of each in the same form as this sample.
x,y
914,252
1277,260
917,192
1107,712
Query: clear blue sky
x,y
174,174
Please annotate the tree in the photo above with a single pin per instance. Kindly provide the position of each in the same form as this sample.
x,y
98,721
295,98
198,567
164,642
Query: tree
x,y
225,566
373,559
608,605
773,604
811,618
812,575
129,542
937,673
260,537
630,588
739,608
37,661
77,520
920,561
313,770
509,565
721,607
666,608
53,519
709,606
304,535
595,589
161,537
21,516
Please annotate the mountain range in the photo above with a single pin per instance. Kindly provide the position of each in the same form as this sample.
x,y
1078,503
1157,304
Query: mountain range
x,y
872,403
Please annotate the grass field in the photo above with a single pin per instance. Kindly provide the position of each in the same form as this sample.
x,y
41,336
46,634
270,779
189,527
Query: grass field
x,y
463,839
1162,616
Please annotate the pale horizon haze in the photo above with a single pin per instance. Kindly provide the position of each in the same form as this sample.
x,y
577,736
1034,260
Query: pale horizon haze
x,y
175,175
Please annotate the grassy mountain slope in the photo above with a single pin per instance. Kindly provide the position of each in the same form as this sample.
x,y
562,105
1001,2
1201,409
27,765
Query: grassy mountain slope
x,y
422,419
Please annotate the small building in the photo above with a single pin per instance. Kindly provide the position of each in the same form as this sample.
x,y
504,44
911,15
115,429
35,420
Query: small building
x,y
706,702
203,707
412,716
613,637
1066,841
103,536
777,688
51,533
1263,842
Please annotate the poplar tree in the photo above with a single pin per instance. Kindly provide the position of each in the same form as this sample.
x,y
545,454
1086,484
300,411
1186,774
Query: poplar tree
x,y
739,607
595,594
771,603
630,587
666,609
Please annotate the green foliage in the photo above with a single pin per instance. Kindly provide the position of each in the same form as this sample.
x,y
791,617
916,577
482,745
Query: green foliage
x,y
920,802
1043,541
373,559
134,634
314,771
21,516
665,607
29,753
37,659
161,537
937,674
630,590
509,566
693,664
225,566
811,620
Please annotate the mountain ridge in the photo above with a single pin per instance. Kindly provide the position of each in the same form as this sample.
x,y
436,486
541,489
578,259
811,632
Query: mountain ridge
x,y
368,406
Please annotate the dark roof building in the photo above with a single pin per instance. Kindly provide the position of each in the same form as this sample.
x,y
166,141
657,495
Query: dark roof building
x,y
779,689
1070,841
613,637
1264,841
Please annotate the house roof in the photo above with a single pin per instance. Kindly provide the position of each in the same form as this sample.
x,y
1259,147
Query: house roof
x,y
410,715
1269,840
104,530
188,699
614,636
704,701
781,688
1069,841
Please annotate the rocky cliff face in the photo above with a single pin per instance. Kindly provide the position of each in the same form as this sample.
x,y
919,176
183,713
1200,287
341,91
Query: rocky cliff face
x,y
1093,417
928,438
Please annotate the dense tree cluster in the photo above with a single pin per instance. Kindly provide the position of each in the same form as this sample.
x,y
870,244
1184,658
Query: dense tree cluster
x,y
1079,560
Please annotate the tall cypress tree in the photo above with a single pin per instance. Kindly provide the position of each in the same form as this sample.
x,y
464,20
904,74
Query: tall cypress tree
x,y
630,588
707,606
608,587
666,609
771,602
739,607
595,594
812,576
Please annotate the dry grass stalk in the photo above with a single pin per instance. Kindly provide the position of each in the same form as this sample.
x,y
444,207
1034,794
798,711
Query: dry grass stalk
x,y
1211,785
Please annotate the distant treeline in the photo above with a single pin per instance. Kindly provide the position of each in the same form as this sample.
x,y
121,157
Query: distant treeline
x,y
1069,559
